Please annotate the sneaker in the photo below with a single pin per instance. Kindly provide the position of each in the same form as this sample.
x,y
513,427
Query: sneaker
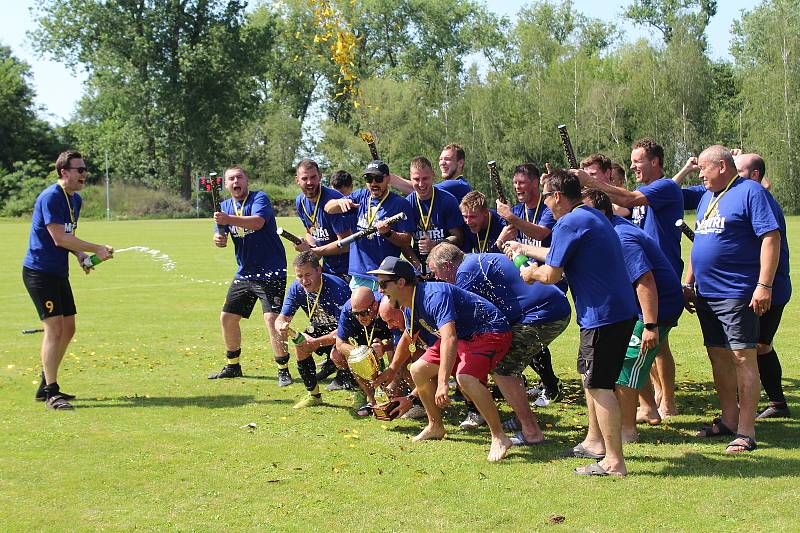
x,y
228,371
474,420
328,367
775,412
547,396
308,401
284,377
536,390
415,413
336,385
58,403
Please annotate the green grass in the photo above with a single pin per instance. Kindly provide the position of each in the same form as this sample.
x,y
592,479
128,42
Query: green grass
x,y
154,445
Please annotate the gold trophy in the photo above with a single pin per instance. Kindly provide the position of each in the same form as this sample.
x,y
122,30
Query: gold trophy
x,y
364,364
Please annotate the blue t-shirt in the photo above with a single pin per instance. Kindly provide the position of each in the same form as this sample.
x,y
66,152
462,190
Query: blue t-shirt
x,y
444,215
335,292
472,241
726,255
642,255
352,332
325,227
782,285
495,277
437,303
658,218
259,253
366,254
458,187
51,208
586,246
691,196
540,215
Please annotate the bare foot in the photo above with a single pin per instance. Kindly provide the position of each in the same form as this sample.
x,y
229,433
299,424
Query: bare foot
x,y
499,449
617,469
430,433
630,437
665,412
644,417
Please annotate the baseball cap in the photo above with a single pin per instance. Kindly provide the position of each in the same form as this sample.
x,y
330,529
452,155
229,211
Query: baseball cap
x,y
394,266
377,168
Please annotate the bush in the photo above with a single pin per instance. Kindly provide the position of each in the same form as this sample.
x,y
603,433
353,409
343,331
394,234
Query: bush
x,y
132,202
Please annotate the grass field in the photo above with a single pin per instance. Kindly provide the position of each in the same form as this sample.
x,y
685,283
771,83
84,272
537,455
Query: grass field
x,y
154,445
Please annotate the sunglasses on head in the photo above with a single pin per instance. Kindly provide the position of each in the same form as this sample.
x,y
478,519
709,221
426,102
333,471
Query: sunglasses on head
x,y
369,178
81,170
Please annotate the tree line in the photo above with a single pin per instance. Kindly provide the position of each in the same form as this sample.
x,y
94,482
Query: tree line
x,y
176,89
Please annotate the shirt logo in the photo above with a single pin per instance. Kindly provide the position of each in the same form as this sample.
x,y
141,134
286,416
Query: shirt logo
x,y
639,214
240,233
713,224
321,235
69,227
434,234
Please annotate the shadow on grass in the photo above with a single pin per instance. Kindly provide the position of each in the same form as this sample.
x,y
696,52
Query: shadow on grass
x,y
223,401
719,464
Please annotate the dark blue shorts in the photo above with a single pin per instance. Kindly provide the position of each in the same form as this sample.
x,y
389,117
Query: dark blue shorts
x,y
728,323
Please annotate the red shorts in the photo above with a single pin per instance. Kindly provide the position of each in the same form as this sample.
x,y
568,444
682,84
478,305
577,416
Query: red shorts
x,y
476,357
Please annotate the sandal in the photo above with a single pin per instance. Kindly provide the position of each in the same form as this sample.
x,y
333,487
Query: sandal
x,y
742,443
716,429
512,424
364,410
58,403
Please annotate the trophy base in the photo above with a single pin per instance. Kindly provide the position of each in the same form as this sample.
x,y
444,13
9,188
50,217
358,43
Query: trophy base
x,y
382,411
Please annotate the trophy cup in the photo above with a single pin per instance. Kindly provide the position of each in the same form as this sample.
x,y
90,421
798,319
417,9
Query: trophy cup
x,y
364,364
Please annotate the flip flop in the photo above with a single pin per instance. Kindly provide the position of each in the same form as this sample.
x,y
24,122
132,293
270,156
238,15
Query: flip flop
x,y
520,440
716,429
748,446
512,424
594,469
58,403
583,453
364,410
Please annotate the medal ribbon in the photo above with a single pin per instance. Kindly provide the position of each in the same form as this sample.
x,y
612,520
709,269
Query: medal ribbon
x,y
426,222
313,217
240,211
316,302
713,205
69,204
482,247
410,330
370,216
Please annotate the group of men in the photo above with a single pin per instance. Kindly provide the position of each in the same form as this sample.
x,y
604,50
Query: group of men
x,y
455,288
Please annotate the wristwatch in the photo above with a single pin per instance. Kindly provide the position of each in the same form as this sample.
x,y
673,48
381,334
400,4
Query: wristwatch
x,y
650,326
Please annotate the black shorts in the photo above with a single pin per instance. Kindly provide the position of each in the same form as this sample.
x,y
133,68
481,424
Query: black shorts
x,y
727,323
768,324
602,353
319,330
243,293
51,294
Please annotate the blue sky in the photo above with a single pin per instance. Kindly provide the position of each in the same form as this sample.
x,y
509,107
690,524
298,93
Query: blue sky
x,y
58,88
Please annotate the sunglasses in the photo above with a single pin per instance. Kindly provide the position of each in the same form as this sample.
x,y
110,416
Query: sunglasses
x,y
547,194
362,314
369,178
81,170
385,283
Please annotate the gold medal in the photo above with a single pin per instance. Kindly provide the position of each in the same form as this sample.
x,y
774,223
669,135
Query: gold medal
x,y
412,347
310,330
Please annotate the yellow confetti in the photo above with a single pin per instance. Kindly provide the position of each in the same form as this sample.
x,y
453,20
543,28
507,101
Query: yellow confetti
x,y
10,367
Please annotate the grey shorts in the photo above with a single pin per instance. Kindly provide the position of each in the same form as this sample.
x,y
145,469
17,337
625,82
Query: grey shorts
x,y
527,340
727,323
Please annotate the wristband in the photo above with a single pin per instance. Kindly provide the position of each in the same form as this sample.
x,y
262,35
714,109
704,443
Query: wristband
x,y
768,287
688,286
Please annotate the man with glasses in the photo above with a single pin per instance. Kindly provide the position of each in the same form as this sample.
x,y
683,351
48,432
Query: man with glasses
x,y
321,296
472,337
261,275
373,205
45,269
360,325
605,308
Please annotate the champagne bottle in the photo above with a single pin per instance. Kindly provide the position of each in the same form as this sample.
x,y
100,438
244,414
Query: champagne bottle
x,y
521,260
91,261
297,337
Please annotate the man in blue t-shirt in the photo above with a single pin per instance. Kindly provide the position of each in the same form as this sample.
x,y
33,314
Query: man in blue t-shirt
x,y
322,229
605,308
529,221
752,166
451,164
473,336
321,296
435,213
45,269
657,203
733,263
261,275
660,302
538,314
372,206
484,225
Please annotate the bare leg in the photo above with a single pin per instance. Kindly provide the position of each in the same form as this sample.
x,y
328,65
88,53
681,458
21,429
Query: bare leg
x,y
627,397
749,389
58,332
231,332
424,375
483,400
513,391
648,408
606,409
725,382
665,367
593,441
279,347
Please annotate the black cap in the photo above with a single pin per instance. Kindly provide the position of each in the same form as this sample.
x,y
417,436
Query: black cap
x,y
376,168
394,266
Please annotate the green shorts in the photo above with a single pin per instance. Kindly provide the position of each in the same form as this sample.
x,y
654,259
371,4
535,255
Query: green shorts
x,y
636,367
528,340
